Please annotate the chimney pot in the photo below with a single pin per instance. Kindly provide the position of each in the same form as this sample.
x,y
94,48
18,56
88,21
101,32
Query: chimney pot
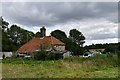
x,y
43,31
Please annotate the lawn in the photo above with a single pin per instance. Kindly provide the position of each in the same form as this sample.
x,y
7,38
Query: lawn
x,y
101,66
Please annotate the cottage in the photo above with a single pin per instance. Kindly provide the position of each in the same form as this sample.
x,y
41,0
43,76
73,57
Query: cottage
x,y
44,42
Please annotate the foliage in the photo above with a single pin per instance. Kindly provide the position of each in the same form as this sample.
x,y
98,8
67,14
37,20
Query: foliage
x,y
14,37
38,34
53,56
4,24
69,44
73,47
59,35
77,37
99,46
1,19
43,55
111,48
5,40
40,55
103,66
18,35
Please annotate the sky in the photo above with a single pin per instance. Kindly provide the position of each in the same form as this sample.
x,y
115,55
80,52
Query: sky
x,y
98,21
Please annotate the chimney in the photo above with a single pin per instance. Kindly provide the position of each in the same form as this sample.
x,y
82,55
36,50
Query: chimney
x,y
43,31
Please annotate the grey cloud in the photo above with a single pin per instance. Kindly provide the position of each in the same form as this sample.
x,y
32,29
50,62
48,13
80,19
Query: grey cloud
x,y
61,13
52,13
103,34
100,36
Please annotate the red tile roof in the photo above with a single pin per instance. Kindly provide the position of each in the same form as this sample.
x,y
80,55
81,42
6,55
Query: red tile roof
x,y
35,44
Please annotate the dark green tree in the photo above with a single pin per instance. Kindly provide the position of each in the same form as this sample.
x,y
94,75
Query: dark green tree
x,y
40,55
19,36
4,24
69,44
73,47
5,40
59,35
38,34
13,37
111,48
77,37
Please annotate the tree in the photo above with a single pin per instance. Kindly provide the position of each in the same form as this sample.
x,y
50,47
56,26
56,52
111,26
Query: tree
x,y
59,35
5,40
73,47
69,44
3,23
37,34
77,37
40,55
111,48
18,36
13,37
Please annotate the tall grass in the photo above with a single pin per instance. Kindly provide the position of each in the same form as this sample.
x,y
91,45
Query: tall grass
x,y
95,63
72,67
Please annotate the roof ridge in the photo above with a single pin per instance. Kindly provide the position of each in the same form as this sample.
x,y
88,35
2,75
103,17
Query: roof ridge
x,y
35,44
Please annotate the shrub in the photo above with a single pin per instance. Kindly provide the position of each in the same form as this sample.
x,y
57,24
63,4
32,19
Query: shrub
x,y
43,55
40,55
53,56
111,49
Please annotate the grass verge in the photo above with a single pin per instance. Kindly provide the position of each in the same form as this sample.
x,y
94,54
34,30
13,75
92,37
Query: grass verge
x,y
101,66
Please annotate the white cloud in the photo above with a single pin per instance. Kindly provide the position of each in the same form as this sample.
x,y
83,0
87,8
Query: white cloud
x,y
97,21
90,42
91,26
102,31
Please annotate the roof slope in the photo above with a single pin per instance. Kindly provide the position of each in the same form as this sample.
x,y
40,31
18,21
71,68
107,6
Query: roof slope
x,y
36,43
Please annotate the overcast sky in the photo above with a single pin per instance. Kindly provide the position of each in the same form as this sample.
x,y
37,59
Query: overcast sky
x,y
98,21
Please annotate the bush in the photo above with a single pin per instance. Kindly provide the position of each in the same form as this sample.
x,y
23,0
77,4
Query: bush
x,y
43,55
111,48
40,55
53,56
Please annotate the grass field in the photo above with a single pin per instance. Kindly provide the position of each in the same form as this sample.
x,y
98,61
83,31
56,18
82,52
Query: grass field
x,y
101,66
